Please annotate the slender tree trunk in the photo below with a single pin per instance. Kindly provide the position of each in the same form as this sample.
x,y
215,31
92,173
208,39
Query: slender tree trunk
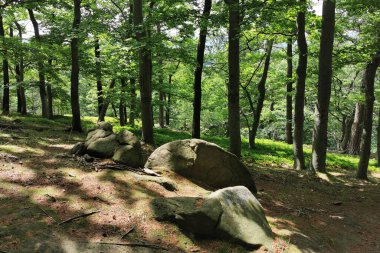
x,y
197,104
41,71
132,108
168,104
365,146
145,76
21,99
299,160
5,70
161,116
262,90
357,129
319,147
50,94
98,68
289,90
75,107
122,106
106,102
234,77
348,121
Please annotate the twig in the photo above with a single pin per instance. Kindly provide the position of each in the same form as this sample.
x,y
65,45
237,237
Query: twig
x,y
78,216
48,215
130,230
152,246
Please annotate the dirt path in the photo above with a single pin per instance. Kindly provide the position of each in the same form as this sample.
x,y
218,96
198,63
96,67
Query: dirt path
x,y
39,186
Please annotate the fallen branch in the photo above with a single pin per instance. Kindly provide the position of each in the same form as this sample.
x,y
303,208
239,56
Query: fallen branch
x,y
152,246
48,215
119,166
130,230
78,216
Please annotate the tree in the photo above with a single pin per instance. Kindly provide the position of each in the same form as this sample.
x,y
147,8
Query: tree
x,y
5,70
75,107
19,70
365,146
299,160
145,73
234,77
41,70
199,69
289,90
318,160
98,67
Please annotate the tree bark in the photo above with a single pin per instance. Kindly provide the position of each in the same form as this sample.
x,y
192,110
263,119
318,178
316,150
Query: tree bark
x,y
348,121
132,108
106,102
49,94
145,74
6,102
365,146
75,107
169,101
234,77
260,101
356,131
197,104
289,90
161,114
319,147
41,71
98,69
299,160
122,106
21,99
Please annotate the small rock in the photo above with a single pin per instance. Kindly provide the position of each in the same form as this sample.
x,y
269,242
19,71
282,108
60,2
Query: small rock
x,y
88,158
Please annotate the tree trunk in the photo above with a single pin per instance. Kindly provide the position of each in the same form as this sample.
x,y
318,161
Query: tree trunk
x,y
75,107
122,106
262,90
49,95
197,104
5,71
299,160
21,99
98,69
234,77
41,71
132,107
145,74
319,147
356,131
168,103
365,146
106,102
348,121
289,90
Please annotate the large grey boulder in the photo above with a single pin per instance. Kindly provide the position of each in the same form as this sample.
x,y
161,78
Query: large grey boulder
x,y
129,152
231,213
102,147
202,162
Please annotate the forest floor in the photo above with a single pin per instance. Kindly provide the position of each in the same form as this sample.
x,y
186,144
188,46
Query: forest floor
x,y
40,186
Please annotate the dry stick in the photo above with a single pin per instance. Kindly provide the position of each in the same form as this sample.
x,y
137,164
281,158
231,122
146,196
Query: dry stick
x,y
51,217
152,246
130,230
78,216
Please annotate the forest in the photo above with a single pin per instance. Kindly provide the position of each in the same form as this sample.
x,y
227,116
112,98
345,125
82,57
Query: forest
x,y
189,126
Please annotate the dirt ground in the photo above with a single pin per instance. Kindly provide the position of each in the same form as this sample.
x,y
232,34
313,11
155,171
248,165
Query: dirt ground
x,y
40,187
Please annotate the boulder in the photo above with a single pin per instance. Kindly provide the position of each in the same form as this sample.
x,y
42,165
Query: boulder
x,y
231,213
102,147
126,137
95,135
103,125
129,155
202,162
